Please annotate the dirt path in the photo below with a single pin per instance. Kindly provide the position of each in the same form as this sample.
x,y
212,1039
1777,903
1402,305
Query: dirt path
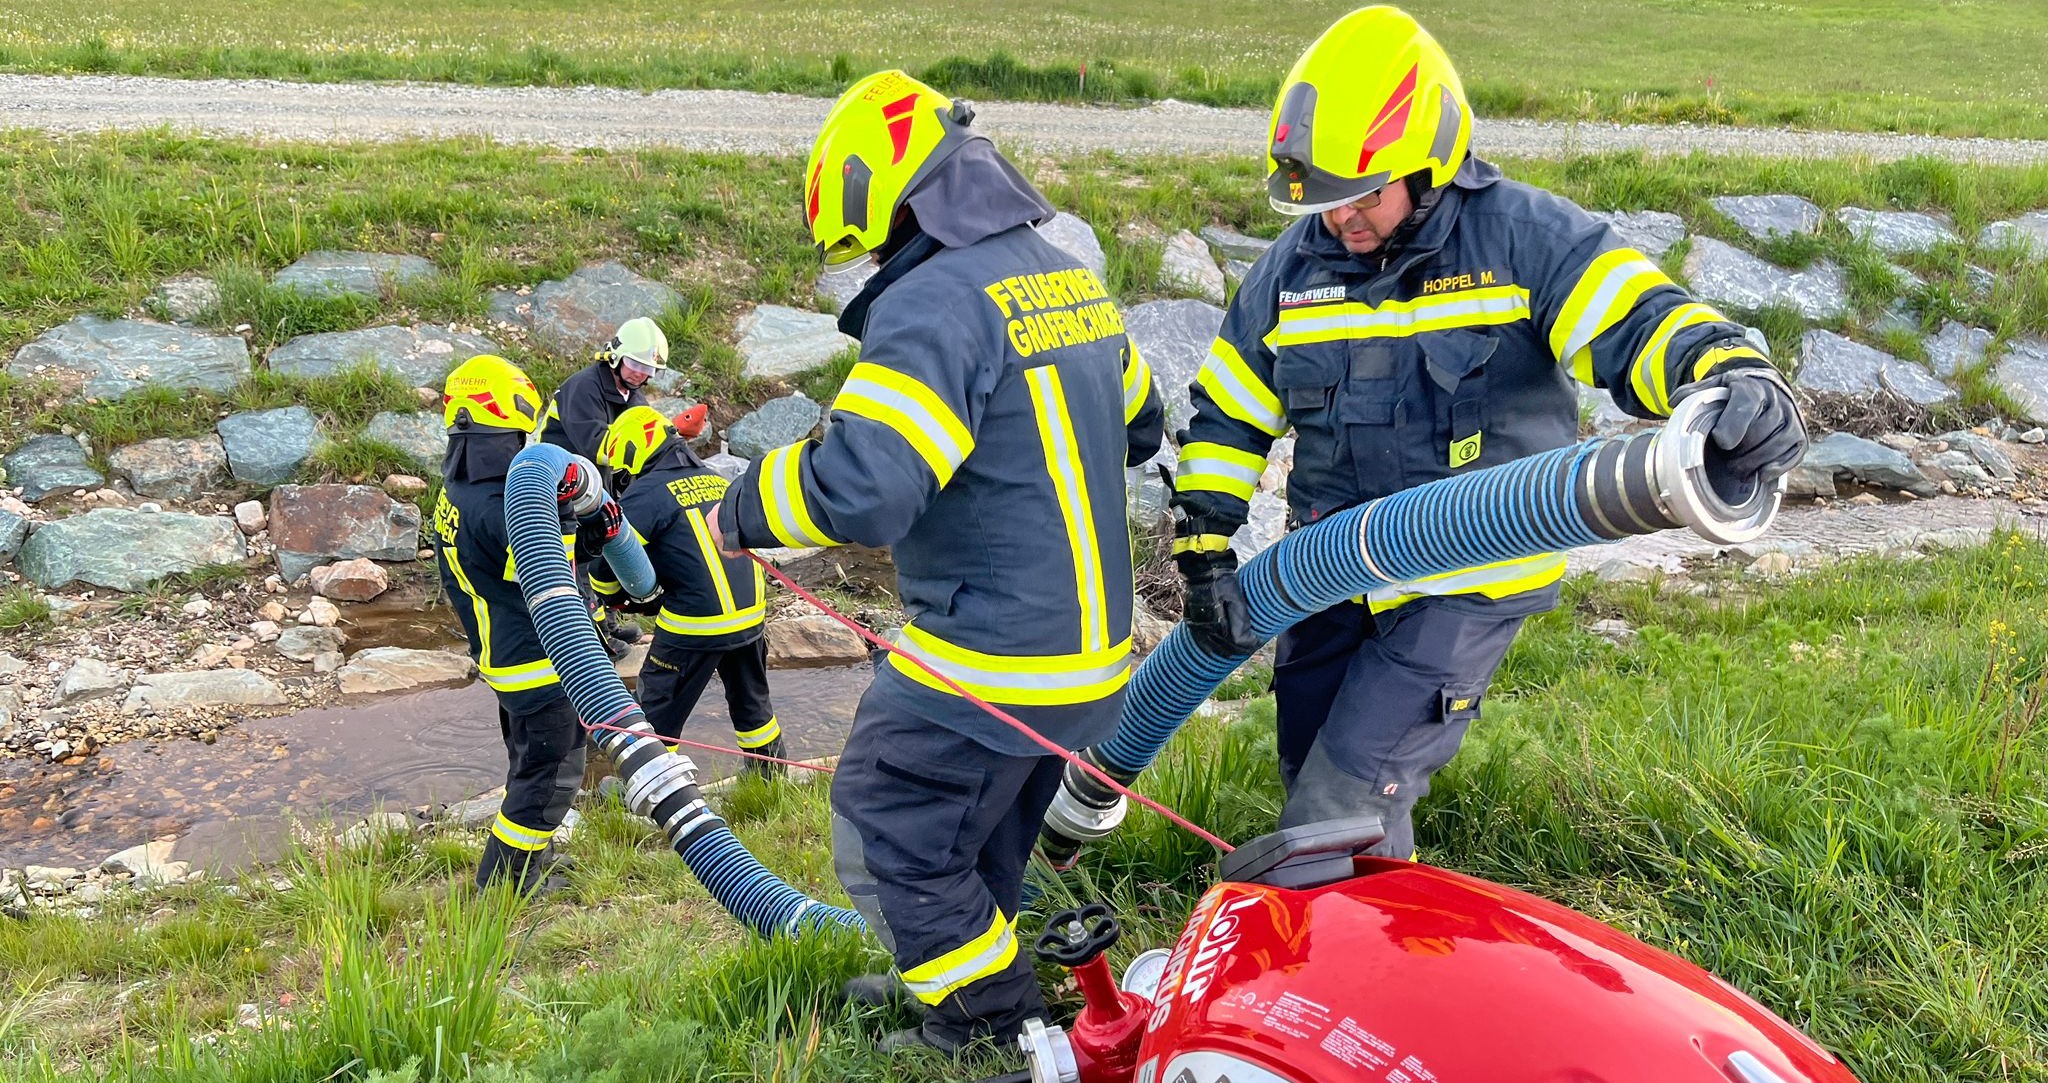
x,y
719,120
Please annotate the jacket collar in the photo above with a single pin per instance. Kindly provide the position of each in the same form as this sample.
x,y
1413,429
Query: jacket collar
x,y
853,319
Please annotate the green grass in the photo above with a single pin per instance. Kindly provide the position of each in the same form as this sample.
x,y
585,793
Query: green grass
x,y
1829,793
23,610
1968,68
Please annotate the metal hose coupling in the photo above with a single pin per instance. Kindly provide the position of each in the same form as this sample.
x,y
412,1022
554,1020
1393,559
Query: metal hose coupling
x,y
1082,811
1673,476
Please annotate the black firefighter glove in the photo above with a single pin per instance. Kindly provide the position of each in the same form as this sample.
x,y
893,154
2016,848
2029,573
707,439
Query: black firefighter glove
x,y
1759,427
1216,613
598,531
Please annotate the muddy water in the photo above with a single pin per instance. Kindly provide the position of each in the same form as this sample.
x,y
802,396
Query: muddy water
x,y
231,801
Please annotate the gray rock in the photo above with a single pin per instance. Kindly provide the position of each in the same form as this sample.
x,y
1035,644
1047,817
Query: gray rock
x,y
1986,453
509,306
777,341
1174,338
168,469
123,549
1235,270
110,358
87,679
778,422
837,287
365,274
50,464
320,524
1233,245
302,642
1721,273
421,356
1185,262
265,447
478,811
1956,346
150,863
10,713
1764,217
1960,467
814,640
2029,231
1809,480
13,531
418,435
579,313
1897,316
1266,524
392,669
2035,435
2023,374
1076,238
1828,362
203,688
726,465
1842,454
1652,233
1980,280
187,297
1897,232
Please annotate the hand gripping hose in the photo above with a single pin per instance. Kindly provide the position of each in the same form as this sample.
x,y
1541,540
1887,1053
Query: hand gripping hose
x,y
1592,493
659,784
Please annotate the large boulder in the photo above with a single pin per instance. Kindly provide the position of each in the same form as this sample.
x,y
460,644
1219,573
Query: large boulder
x,y
320,524
365,274
1234,245
265,447
1765,217
1956,346
170,469
203,688
1076,238
1185,262
579,313
1841,454
1652,233
49,465
1828,362
1897,232
419,435
776,341
421,356
1174,339
1984,452
778,423
814,640
392,669
124,549
2029,231
109,358
2023,375
1721,273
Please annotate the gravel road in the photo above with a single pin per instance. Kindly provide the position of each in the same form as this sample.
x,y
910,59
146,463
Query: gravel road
x,y
724,120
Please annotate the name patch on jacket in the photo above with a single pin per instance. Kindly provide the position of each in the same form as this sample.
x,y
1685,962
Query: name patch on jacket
x,y
1320,295
1053,309
447,519
700,489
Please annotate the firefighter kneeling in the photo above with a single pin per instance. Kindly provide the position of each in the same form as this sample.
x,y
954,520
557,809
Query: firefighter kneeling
x,y
708,616
489,407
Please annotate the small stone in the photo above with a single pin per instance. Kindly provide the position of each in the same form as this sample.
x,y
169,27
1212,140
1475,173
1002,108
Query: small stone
x,y
197,607
242,643
265,631
327,661
210,655
88,679
248,1017
1865,500
2035,435
273,611
376,826
302,643
404,485
274,585
320,613
1620,631
475,812
356,580
88,893
390,669
49,876
250,517
814,640
1771,564
186,298
149,863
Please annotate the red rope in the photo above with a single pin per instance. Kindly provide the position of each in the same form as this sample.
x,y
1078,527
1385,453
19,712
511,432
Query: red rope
x,y
708,748
1001,715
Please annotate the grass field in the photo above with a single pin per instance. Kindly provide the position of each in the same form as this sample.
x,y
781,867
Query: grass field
x,y
1961,67
1829,792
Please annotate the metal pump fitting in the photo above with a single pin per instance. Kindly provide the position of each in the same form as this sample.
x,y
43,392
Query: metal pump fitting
x,y
1082,811
1048,1053
1667,478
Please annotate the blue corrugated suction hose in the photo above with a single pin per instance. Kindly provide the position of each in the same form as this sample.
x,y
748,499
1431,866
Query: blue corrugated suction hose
x,y
1596,492
659,783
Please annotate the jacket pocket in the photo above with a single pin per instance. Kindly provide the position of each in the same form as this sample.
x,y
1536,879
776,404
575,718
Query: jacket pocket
x,y
1455,362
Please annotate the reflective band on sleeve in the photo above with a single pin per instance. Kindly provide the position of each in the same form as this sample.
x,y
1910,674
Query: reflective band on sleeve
x,y
1070,485
912,411
1137,385
1486,306
1604,295
782,500
985,956
520,838
604,586
755,738
1022,680
1713,358
1218,468
1501,580
682,624
1238,391
1201,543
1649,375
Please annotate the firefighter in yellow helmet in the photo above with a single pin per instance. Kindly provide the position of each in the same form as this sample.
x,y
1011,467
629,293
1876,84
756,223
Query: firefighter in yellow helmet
x,y
983,435
1423,316
489,406
708,616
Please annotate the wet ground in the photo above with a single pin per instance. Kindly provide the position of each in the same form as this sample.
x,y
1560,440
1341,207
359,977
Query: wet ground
x,y
230,802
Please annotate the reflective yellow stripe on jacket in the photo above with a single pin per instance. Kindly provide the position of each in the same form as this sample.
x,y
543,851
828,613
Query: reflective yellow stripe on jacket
x,y
783,503
1218,468
1238,391
731,617
1500,580
983,957
1070,484
1605,293
1137,384
1485,306
513,678
915,412
1019,679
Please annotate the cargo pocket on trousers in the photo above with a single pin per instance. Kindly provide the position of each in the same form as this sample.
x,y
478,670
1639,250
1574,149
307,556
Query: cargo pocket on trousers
x,y
919,813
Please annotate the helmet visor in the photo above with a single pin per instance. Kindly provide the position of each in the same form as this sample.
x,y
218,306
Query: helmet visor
x,y
634,370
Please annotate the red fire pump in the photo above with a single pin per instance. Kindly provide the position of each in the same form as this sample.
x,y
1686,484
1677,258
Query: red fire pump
x,y
1308,964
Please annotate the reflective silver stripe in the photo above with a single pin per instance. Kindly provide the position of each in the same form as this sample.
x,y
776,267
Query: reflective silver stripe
x,y
1220,379
980,966
1595,318
972,676
928,426
1397,321
1470,579
1209,464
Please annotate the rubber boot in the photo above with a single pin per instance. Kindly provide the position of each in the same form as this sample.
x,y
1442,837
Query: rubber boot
x,y
526,870
764,769
880,991
949,1028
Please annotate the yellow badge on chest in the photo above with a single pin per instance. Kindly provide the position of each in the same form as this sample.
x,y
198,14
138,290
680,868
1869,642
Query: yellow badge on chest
x,y
1466,452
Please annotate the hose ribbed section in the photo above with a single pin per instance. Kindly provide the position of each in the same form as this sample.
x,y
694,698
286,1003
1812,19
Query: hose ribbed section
x,y
659,783
1518,509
